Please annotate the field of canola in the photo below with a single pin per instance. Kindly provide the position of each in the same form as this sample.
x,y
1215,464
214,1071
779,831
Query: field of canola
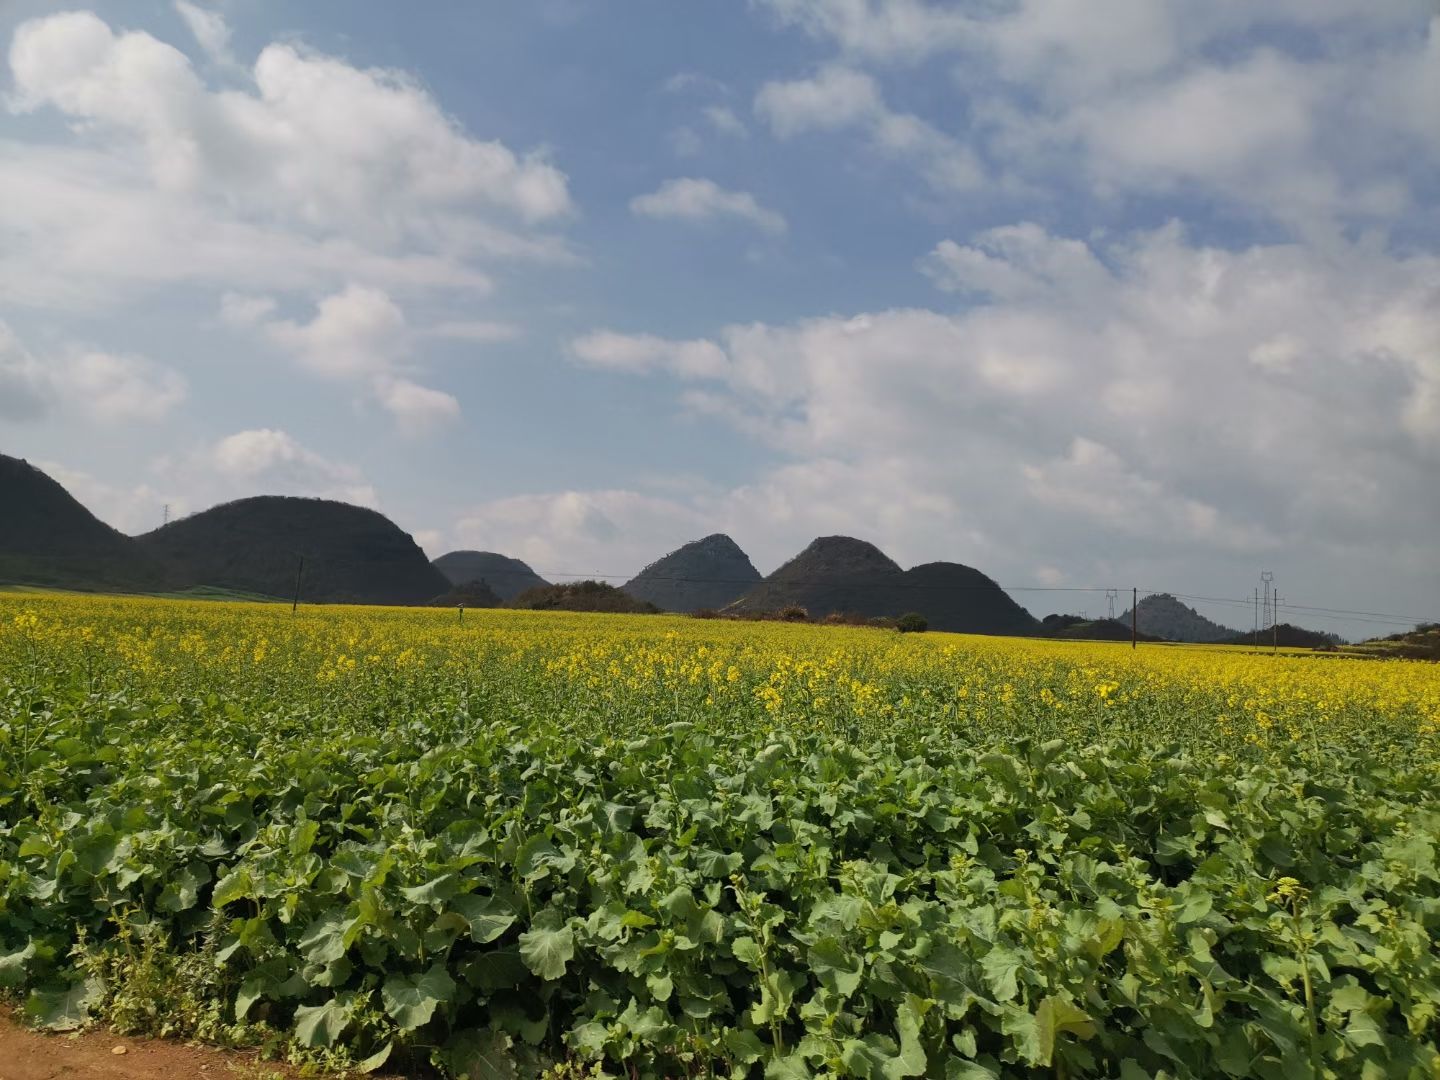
x,y
652,846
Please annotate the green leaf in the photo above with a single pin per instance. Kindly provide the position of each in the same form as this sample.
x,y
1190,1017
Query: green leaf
x,y
436,891
549,945
481,1055
12,966
321,1025
375,1060
1056,1017
236,885
324,939
1001,965
64,1010
836,967
487,916
412,1002
744,1045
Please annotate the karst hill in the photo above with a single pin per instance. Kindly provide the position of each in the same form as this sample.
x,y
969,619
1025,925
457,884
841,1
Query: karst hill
x,y
840,574
707,573
350,554
48,538
506,576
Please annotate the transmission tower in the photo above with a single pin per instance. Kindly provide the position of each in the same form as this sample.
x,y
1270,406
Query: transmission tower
x,y
1267,612
1111,595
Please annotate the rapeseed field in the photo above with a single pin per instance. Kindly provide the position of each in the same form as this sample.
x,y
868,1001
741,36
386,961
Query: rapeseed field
x,y
647,846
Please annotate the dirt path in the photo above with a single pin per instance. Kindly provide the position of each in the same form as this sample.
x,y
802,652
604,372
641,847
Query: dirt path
x,y
91,1055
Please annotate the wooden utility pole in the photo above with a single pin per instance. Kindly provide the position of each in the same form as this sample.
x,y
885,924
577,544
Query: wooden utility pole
x,y
299,569
1134,618
1275,625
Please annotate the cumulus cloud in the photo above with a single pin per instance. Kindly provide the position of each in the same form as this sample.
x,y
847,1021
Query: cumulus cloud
x,y
26,388
1168,409
319,169
119,388
267,461
723,119
360,336
637,353
691,199
97,385
840,97
210,30
1156,98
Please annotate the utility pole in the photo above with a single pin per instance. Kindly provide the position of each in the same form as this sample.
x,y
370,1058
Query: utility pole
x,y
1267,614
299,569
1275,625
1134,618
165,515
1255,635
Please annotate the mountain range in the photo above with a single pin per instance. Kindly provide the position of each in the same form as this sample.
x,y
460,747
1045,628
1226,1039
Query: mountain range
x,y
332,552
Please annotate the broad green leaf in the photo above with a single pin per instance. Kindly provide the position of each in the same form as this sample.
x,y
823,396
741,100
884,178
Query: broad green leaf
x,y
1001,965
63,1010
1056,1017
743,1045
836,967
13,964
488,917
321,1025
324,939
411,1002
481,1055
549,945
377,1059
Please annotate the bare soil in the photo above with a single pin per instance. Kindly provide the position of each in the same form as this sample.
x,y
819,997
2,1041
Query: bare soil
x,y
93,1055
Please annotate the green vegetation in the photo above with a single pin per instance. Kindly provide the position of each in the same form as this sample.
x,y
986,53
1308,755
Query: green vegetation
x,y
663,846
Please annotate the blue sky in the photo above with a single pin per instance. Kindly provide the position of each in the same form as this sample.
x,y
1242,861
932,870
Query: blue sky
x,y
1144,292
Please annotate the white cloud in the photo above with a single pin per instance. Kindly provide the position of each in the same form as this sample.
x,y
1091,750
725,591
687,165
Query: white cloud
x,y
1156,98
839,97
318,171
882,29
360,337
26,389
266,461
120,388
1147,407
1016,262
692,199
723,119
477,331
417,409
210,30
357,332
637,353
98,385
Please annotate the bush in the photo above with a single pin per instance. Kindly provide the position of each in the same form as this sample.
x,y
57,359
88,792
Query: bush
x,y
793,613
912,622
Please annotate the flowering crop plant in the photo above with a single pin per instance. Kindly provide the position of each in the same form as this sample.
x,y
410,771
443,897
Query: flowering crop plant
x,y
652,846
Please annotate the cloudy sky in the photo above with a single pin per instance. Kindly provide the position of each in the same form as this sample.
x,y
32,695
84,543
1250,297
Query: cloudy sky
x,y
1140,292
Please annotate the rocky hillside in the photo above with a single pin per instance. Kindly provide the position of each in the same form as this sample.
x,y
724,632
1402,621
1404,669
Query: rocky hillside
x,y
48,538
506,576
842,574
1161,615
351,554
582,596
708,573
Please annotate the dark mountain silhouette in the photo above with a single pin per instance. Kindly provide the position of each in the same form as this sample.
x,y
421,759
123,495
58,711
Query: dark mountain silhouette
x,y
473,594
1286,636
582,596
708,573
48,538
508,577
1161,615
1079,628
842,574
352,555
